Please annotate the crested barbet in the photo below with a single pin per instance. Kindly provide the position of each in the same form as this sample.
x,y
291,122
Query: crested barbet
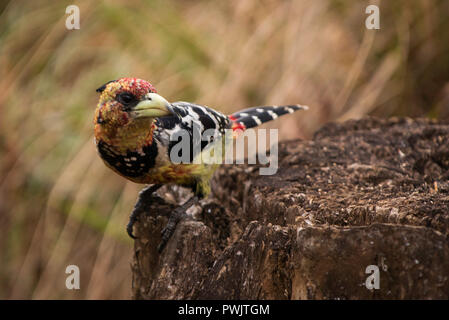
x,y
133,130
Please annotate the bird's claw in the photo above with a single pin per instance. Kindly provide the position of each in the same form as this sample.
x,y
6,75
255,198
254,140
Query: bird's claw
x,y
166,234
130,229
144,195
170,228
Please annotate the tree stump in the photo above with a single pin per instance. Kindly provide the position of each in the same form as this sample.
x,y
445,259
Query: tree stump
x,y
362,193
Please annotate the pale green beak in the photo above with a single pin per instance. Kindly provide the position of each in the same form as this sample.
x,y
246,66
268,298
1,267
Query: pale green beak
x,y
152,106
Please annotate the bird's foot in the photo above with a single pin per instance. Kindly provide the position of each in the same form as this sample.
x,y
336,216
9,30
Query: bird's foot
x,y
170,228
173,220
132,219
143,199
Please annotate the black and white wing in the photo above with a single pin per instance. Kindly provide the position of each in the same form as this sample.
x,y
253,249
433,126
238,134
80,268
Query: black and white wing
x,y
202,125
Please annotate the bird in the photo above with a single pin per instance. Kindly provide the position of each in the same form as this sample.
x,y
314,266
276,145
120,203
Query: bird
x,y
134,128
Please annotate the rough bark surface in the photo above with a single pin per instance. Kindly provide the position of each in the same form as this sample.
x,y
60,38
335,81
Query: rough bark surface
x,y
367,192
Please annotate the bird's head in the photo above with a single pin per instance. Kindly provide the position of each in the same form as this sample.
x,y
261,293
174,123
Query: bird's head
x,y
128,100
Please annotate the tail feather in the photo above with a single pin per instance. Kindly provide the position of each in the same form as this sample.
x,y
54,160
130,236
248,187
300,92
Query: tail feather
x,y
255,116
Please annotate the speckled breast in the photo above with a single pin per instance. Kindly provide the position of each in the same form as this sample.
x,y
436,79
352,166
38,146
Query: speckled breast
x,y
132,164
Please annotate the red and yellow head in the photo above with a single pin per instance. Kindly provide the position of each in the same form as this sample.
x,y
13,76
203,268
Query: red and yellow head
x,y
125,100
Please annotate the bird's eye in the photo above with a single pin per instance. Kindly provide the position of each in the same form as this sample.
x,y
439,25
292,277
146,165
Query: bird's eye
x,y
126,98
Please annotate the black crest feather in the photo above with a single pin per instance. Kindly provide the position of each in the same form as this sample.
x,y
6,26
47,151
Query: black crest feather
x,y
101,89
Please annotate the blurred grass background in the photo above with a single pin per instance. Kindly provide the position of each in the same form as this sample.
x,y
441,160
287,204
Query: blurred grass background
x,y
59,205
